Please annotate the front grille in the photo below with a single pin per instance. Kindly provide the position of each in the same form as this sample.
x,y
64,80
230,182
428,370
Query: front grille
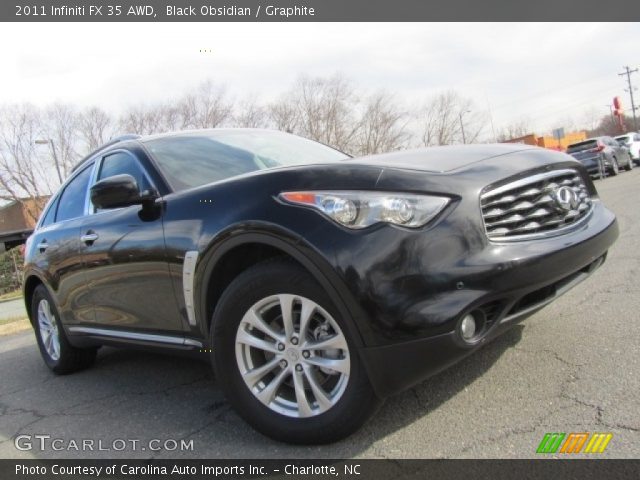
x,y
535,206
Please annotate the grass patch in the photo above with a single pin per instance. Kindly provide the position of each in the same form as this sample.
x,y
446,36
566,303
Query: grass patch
x,y
11,295
4,321
14,325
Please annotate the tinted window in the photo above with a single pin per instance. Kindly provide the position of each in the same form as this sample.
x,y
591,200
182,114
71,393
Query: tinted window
x,y
119,163
51,214
586,145
71,203
193,159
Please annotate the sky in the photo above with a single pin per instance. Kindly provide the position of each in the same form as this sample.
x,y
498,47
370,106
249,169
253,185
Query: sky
x,y
547,74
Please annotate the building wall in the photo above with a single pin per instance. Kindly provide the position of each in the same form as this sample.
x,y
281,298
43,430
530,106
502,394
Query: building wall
x,y
550,142
568,139
20,215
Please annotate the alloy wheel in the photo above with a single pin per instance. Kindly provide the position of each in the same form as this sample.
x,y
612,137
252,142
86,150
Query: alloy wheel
x,y
292,355
48,330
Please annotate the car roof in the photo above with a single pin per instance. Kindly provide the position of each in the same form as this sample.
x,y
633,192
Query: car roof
x,y
104,146
201,132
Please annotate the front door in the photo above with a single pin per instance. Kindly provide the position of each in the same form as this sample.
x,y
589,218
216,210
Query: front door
x,y
124,259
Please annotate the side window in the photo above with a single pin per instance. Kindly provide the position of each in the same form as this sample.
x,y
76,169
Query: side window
x,y
71,202
119,163
50,216
636,137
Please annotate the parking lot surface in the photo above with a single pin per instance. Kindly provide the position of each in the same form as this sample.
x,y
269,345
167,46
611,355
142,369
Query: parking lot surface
x,y
573,367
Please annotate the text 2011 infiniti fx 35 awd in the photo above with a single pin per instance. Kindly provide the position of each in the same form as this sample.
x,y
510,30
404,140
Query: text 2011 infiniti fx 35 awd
x,y
320,283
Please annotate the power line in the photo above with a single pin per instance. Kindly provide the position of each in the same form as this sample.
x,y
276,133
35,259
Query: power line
x,y
628,73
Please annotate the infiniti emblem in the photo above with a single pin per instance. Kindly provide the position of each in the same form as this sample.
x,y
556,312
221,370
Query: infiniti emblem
x,y
566,198
293,355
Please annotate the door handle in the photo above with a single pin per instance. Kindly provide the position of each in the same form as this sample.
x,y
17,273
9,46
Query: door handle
x,y
42,246
89,237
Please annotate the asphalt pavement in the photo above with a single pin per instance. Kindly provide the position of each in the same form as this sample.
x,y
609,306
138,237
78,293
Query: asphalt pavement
x,y
573,367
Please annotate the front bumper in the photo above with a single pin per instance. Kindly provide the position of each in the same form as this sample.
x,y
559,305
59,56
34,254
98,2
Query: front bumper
x,y
508,281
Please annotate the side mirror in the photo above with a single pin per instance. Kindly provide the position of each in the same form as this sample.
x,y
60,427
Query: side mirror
x,y
117,191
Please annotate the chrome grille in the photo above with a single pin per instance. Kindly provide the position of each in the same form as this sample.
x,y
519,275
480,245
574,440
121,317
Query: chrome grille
x,y
532,207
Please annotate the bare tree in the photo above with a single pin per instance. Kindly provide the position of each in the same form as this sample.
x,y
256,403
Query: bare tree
x,y
283,115
325,108
250,114
513,130
207,107
95,127
61,129
444,116
25,176
143,120
383,125
608,125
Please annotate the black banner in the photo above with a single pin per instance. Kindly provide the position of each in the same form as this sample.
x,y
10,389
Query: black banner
x,y
316,10
320,469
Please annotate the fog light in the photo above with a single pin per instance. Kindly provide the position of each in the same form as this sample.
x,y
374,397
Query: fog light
x,y
468,327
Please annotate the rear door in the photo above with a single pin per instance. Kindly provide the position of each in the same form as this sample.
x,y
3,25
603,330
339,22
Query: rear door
x,y
124,255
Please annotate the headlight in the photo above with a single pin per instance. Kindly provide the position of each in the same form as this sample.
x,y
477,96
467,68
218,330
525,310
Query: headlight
x,y
358,209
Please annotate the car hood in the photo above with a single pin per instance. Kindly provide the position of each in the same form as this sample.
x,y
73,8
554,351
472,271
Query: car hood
x,y
440,159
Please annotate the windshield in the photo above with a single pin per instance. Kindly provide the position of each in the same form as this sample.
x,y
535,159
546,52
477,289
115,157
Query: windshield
x,y
624,139
196,158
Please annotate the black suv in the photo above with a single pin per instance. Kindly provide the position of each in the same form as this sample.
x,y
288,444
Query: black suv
x,y
601,156
318,284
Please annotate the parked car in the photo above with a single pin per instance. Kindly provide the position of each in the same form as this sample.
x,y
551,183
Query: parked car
x,y
317,284
631,140
601,156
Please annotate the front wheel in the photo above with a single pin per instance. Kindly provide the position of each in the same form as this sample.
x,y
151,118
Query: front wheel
x,y
615,168
58,354
285,359
630,165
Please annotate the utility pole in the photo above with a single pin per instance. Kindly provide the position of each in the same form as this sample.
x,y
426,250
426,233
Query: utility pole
x,y
628,73
49,141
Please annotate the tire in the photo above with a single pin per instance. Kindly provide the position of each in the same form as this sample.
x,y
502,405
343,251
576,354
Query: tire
x,y
629,166
58,354
346,400
615,168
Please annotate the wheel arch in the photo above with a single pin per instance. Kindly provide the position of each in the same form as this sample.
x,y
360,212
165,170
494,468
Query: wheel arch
x,y
30,284
223,262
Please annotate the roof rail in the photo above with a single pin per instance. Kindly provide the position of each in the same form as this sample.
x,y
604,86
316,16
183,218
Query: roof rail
x,y
113,141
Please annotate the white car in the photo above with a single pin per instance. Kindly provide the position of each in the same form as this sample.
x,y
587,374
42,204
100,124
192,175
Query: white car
x,y
631,140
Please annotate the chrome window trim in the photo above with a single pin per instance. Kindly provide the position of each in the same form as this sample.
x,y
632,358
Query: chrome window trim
x,y
90,164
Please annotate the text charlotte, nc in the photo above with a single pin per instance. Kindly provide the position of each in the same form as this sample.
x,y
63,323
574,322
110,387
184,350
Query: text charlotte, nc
x,y
210,10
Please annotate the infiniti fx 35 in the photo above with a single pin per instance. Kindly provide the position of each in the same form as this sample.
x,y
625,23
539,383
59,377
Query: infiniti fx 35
x,y
318,284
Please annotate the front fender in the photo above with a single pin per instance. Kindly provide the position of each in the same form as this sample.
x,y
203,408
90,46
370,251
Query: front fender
x,y
314,261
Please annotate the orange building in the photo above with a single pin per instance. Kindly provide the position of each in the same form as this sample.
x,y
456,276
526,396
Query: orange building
x,y
549,141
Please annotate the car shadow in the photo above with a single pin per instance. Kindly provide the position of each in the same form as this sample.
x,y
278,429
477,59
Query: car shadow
x,y
142,395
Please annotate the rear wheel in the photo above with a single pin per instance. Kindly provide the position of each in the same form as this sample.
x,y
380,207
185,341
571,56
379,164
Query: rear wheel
x,y
58,354
284,357
630,165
